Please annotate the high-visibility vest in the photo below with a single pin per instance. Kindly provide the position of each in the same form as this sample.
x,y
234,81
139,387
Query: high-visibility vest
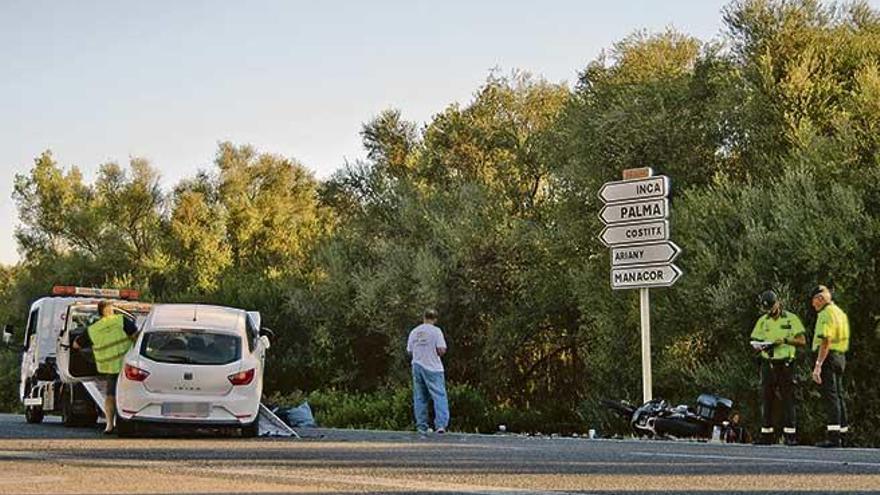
x,y
786,326
832,324
109,344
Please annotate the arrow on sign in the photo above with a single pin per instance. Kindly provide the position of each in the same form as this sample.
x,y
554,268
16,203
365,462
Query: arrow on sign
x,y
652,209
642,277
661,252
635,233
631,190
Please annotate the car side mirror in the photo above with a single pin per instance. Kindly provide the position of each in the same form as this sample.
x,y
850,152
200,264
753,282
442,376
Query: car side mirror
x,y
267,332
8,331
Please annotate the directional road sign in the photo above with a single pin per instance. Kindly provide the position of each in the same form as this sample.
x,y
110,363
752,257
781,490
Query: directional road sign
x,y
636,211
632,190
644,277
633,233
643,254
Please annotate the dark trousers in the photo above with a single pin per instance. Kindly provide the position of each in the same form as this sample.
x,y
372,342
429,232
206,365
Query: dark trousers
x,y
778,376
832,389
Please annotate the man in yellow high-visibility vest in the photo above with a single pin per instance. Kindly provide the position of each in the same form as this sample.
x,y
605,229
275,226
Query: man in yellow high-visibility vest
x,y
780,333
830,343
110,339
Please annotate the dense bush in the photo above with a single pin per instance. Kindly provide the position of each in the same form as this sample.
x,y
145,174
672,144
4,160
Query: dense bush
x,y
9,379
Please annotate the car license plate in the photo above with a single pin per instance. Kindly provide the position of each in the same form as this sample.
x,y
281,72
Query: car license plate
x,y
186,409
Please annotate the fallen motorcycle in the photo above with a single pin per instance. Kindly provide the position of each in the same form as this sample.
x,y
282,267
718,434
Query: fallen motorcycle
x,y
657,419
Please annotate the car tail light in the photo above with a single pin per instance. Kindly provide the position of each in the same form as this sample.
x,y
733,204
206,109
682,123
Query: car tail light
x,y
135,374
242,377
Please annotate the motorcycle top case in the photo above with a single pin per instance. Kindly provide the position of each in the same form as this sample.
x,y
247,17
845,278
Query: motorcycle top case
x,y
713,408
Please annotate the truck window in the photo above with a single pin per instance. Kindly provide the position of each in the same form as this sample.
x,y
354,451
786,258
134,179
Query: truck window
x,y
31,327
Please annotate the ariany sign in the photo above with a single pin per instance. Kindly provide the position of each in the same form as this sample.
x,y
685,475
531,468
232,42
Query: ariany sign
x,y
661,252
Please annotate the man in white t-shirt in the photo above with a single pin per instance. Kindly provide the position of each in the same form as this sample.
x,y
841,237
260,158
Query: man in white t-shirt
x,y
426,345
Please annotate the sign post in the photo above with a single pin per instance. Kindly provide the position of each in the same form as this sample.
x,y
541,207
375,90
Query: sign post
x,y
637,232
645,317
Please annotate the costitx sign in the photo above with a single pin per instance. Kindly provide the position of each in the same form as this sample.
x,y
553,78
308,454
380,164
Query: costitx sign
x,y
635,233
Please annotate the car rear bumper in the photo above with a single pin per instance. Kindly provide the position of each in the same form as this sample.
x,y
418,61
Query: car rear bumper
x,y
239,407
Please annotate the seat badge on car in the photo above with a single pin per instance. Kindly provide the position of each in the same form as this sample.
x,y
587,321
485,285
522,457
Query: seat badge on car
x,y
188,376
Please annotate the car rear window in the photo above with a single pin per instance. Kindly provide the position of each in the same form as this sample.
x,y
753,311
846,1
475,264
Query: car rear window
x,y
191,347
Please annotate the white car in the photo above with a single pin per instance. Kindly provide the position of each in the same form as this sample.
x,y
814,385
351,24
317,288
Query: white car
x,y
195,365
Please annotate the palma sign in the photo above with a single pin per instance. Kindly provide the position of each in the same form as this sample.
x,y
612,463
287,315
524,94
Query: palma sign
x,y
635,212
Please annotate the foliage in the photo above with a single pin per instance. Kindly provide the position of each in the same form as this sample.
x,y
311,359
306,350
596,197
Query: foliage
x,y
9,379
488,213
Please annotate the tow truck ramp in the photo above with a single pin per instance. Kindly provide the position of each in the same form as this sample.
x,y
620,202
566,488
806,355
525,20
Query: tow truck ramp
x,y
269,424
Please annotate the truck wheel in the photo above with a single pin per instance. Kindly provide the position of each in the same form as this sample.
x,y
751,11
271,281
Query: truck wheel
x,y
33,414
68,417
70,399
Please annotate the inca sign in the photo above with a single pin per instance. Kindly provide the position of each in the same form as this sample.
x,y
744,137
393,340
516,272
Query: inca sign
x,y
631,190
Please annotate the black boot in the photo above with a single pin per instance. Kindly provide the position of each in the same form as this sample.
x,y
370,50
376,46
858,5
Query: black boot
x,y
832,440
791,439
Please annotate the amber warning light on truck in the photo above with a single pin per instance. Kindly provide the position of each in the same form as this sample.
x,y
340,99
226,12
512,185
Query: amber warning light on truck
x,y
71,291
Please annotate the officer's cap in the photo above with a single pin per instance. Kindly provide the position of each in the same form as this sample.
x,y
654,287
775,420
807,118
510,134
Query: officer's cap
x,y
819,289
768,299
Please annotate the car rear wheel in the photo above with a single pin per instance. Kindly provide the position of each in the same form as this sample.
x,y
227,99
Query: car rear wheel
x,y
126,427
250,430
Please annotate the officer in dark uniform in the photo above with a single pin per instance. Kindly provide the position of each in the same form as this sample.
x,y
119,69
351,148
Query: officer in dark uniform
x,y
776,336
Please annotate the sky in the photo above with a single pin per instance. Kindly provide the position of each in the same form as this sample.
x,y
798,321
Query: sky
x,y
167,80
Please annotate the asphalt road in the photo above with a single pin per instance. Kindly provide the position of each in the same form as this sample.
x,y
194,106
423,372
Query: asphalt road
x,y
50,458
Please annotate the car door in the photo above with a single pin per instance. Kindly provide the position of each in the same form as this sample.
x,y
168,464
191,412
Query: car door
x,y
258,344
76,366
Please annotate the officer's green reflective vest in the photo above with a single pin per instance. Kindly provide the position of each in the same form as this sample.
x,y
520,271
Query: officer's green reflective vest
x,y
109,344
768,329
832,324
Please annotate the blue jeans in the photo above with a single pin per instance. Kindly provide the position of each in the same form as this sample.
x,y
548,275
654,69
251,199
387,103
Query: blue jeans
x,y
431,383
